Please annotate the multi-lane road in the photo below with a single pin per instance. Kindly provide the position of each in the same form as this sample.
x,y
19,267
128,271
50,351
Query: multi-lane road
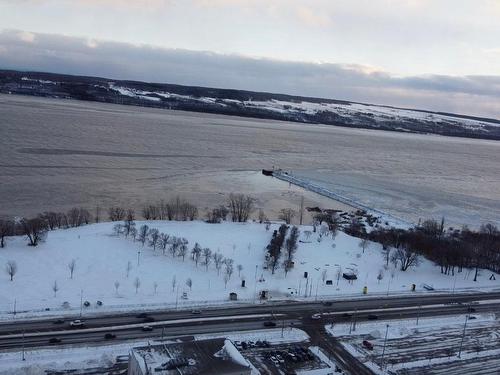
x,y
34,333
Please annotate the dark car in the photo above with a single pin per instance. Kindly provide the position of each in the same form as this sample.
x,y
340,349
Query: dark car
x,y
142,315
347,315
58,321
54,340
372,317
109,336
327,303
471,309
368,345
148,319
269,324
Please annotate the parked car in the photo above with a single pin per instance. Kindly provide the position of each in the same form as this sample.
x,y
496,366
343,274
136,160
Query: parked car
x,y
269,324
77,323
54,340
109,336
147,328
368,345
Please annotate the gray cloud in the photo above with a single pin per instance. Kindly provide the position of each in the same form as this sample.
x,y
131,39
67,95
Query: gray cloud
x,y
477,95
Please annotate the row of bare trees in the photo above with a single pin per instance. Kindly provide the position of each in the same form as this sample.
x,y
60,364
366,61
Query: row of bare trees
x,y
451,249
177,247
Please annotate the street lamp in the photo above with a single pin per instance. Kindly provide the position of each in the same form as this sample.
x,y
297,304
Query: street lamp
x,y
138,255
383,350
463,333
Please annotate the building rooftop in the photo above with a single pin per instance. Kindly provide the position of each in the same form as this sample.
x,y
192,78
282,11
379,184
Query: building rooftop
x,y
213,356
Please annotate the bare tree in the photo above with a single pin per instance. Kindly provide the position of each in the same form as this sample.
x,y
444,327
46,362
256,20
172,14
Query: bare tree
x,y
154,238
406,258
35,229
239,267
183,248
116,213
207,257
11,269
229,269
164,242
324,275
287,214
71,267
175,243
307,234
6,229
218,259
196,253
143,234
363,244
137,284
189,283
129,223
55,288
117,285
240,206
226,280
129,267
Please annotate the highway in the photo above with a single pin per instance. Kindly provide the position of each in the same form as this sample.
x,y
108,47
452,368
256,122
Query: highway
x,y
36,333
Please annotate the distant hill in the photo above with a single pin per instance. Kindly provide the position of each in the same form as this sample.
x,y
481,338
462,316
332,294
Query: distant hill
x,y
248,104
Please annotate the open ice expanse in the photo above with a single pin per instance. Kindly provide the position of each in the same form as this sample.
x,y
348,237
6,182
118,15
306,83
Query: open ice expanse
x,y
102,258
57,154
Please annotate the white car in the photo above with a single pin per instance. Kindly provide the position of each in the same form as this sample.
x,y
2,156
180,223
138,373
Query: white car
x,y
77,323
316,316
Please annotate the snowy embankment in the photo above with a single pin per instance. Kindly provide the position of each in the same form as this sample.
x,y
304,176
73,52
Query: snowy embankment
x,y
157,280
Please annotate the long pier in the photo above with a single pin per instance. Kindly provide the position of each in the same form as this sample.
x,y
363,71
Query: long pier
x,y
288,177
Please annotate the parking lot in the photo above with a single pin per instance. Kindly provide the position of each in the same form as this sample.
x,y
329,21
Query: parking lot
x,y
279,359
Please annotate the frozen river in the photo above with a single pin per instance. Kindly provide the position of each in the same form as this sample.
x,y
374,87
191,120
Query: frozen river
x,y
56,154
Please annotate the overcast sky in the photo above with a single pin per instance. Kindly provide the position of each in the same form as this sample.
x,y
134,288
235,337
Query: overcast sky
x,y
430,54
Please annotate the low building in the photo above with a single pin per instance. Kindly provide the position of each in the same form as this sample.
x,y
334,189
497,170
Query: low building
x,y
204,357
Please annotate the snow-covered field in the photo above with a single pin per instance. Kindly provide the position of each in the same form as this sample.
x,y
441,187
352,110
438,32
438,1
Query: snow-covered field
x,y
429,346
101,260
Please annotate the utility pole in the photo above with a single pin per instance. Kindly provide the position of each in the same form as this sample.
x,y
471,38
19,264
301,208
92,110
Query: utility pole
x,y
463,335
138,255
418,312
282,327
24,358
383,350
301,209
15,303
255,283
177,297
81,302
